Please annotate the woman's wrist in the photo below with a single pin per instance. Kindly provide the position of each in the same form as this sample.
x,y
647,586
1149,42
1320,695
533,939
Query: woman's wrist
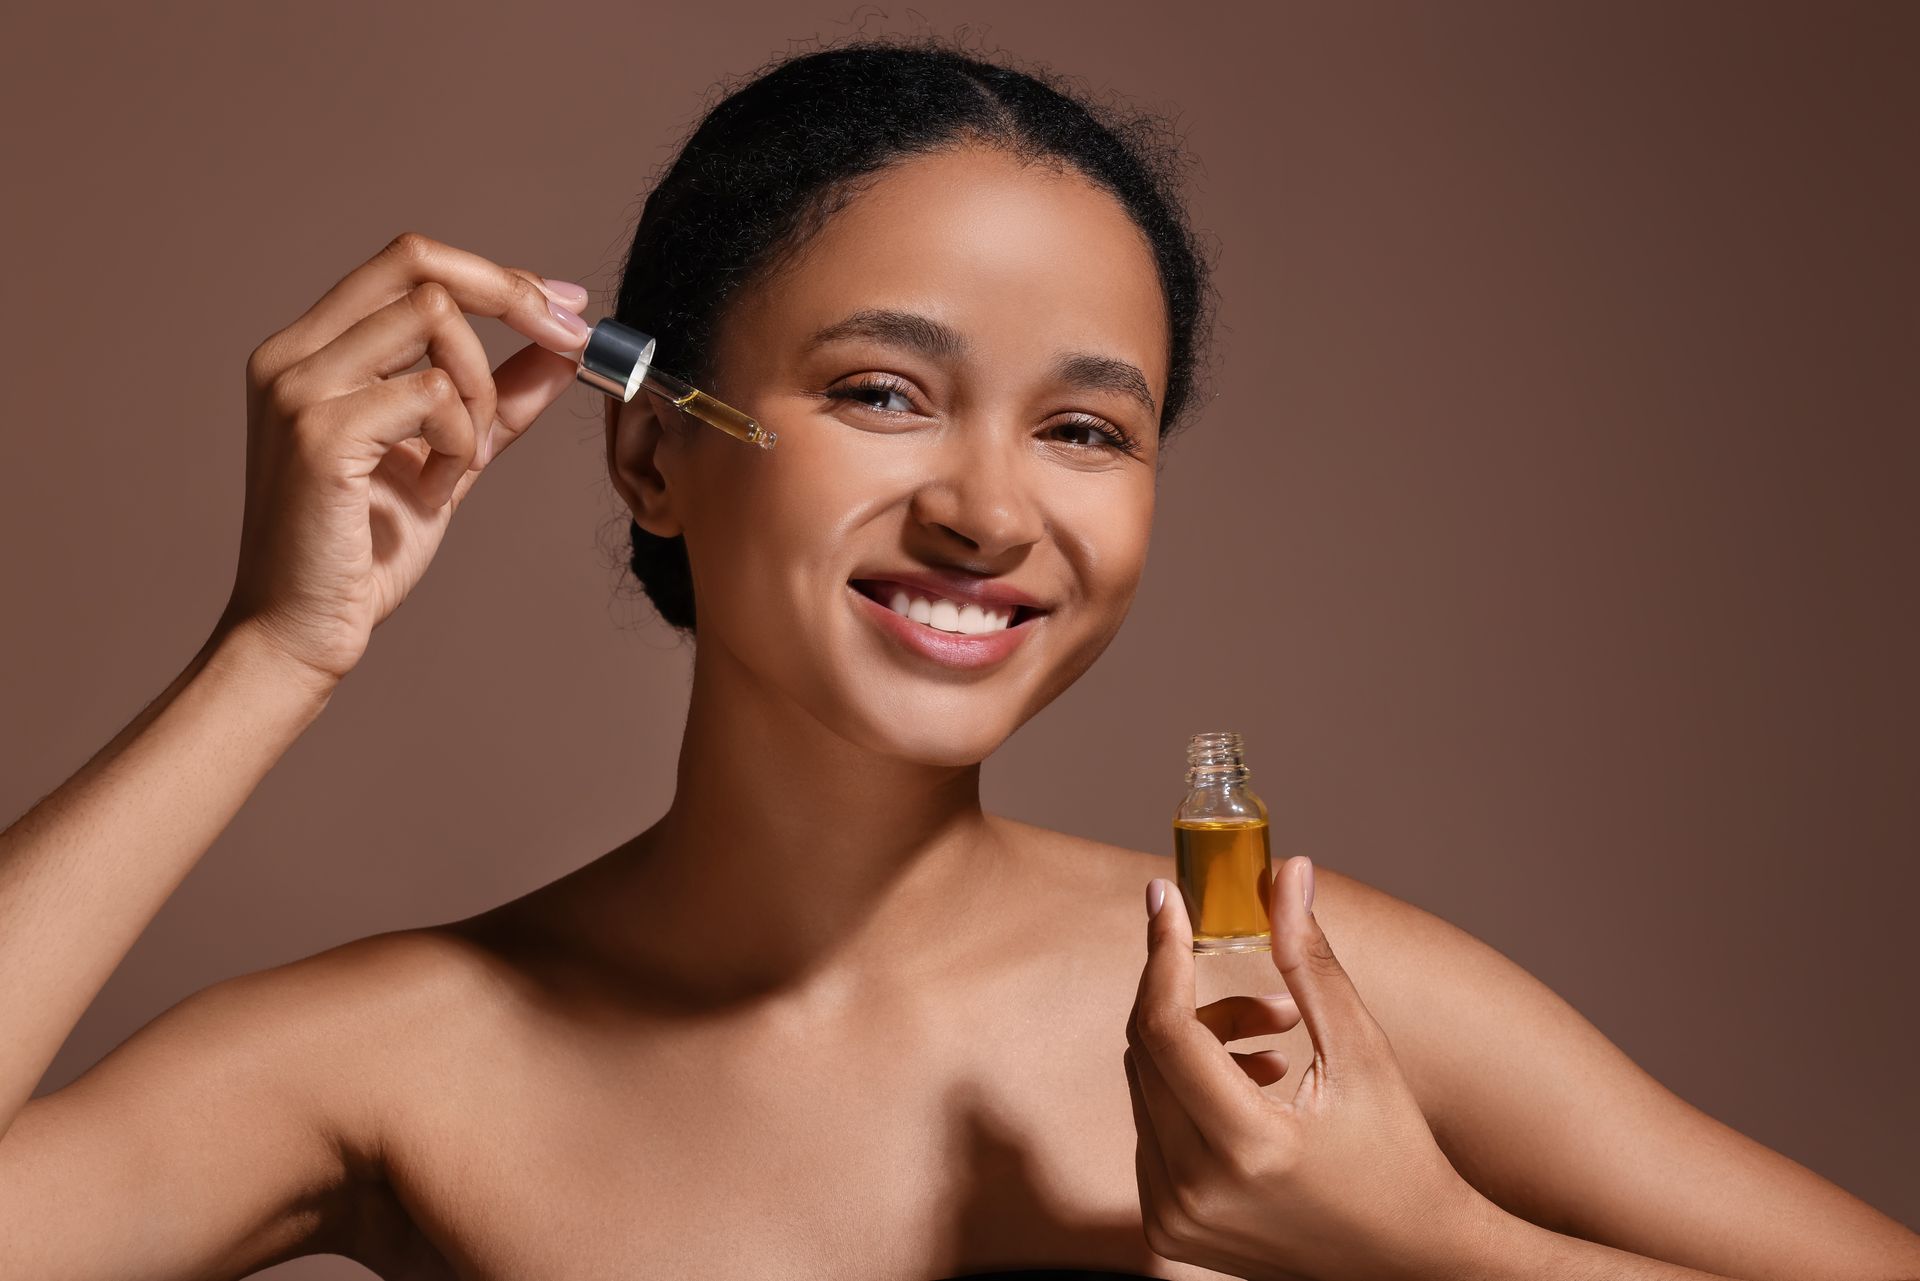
x,y
1483,1243
1493,1245
242,651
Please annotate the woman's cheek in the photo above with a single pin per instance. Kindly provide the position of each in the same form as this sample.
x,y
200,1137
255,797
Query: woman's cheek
x,y
1104,531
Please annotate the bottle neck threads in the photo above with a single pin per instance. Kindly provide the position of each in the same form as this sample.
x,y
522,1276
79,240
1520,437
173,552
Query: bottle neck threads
x,y
1215,758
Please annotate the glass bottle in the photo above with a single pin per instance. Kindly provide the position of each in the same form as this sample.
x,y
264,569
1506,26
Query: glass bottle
x,y
1222,861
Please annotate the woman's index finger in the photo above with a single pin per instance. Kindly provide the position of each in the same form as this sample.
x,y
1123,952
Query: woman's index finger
x,y
478,285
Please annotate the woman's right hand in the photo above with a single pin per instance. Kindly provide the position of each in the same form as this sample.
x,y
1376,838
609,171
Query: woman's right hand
x,y
354,469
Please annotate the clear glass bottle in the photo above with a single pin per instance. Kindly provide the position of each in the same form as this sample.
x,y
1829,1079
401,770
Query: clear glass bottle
x,y
1222,860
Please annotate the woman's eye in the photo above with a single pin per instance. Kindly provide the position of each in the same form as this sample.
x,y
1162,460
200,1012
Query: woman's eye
x,y
1082,432
1099,434
874,396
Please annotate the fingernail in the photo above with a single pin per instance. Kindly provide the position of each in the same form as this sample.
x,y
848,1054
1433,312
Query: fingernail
x,y
565,291
1156,896
1309,883
572,323
486,446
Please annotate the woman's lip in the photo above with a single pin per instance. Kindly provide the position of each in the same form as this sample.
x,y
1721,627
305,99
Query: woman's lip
x,y
954,649
990,596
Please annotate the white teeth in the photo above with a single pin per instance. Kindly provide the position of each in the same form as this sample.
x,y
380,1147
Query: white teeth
x,y
948,616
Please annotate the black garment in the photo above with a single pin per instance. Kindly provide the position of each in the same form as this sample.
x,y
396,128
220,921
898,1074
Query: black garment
x,y
1054,1274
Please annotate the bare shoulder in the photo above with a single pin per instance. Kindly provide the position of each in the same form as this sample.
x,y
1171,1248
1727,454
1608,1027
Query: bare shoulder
x,y
390,972
1450,1001
311,1027
419,977
1078,858
268,1094
361,1034
1441,993
412,1017
1392,941
352,1024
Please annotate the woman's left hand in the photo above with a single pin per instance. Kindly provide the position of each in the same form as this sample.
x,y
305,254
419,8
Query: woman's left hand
x,y
1344,1180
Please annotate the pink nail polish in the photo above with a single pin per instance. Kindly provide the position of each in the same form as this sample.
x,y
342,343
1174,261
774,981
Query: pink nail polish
x,y
574,325
565,291
1309,883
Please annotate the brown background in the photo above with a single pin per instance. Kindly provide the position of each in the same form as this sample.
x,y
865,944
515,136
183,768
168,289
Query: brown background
x,y
1551,537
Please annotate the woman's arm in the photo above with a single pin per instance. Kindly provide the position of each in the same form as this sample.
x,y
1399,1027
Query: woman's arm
x,y
207,1144
1550,1120
1516,1250
238,1128
241,1127
83,872
353,472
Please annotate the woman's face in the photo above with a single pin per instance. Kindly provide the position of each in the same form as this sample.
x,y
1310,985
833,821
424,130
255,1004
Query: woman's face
x,y
947,364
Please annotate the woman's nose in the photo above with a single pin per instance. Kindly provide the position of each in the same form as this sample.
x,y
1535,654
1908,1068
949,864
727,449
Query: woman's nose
x,y
982,497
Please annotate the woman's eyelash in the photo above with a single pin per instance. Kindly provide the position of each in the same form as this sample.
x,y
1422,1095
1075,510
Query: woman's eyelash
x,y
851,391
1116,436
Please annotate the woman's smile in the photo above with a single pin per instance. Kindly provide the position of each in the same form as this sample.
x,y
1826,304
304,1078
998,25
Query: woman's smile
x,y
953,633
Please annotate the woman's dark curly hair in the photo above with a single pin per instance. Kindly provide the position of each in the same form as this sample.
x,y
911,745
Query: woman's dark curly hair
x,y
777,156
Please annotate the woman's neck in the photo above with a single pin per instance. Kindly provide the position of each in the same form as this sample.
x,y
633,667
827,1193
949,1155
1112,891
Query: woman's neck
x,y
791,857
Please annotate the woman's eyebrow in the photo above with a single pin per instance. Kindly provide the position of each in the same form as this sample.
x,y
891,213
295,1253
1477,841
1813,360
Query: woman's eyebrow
x,y
1104,373
933,339
908,329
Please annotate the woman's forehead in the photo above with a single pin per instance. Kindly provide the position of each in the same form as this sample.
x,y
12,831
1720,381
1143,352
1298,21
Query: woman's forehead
x,y
1004,253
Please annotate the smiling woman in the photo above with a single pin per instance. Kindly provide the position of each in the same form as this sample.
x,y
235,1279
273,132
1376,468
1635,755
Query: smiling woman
x,y
826,1016
773,169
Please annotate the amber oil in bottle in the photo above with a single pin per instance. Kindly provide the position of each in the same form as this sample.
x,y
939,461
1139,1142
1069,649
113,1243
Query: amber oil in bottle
x,y
1221,857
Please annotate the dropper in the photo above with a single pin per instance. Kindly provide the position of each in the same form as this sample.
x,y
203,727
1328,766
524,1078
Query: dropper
x,y
618,360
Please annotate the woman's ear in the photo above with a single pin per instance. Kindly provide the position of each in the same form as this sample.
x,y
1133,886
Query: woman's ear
x,y
636,440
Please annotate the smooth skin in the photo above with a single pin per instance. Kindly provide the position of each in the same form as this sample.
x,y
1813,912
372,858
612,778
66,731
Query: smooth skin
x,y
826,1016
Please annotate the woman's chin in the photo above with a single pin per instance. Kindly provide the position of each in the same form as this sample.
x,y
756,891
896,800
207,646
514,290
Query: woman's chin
x,y
934,746
927,731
